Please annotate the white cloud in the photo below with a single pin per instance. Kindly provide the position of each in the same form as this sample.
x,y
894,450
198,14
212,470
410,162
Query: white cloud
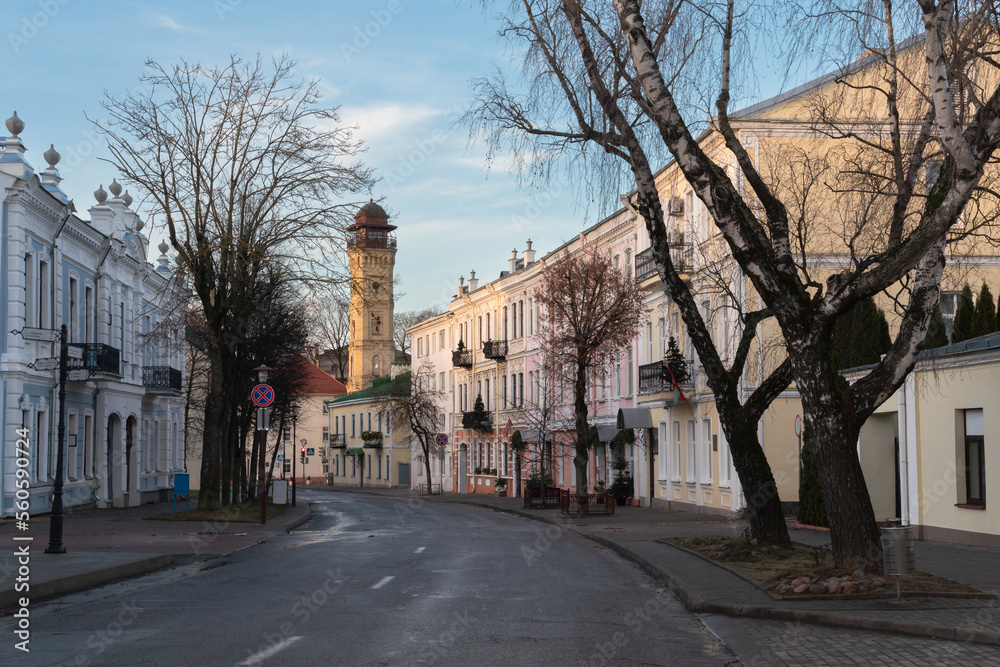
x,y
382,122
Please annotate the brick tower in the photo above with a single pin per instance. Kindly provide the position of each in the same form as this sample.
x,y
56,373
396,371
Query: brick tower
x,y
371,252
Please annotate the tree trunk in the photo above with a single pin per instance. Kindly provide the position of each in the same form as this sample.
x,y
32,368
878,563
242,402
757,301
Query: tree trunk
x,y
853,532
582,455
208,496
427,465
763,505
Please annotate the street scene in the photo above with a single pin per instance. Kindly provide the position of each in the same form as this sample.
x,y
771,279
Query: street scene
x,y
276,392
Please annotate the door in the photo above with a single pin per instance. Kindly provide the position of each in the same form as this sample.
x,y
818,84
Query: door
x,y
404,473
463,460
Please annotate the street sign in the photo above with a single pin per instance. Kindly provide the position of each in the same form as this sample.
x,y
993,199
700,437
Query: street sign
x,y
262,395
74,352
311,451
77,375
441,439
798,425
303,442
46,364
46,335
281,457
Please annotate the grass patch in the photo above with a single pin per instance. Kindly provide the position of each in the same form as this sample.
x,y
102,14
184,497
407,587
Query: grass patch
x,y
803,570
244,513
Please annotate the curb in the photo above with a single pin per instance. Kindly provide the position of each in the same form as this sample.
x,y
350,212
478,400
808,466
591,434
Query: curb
x,y
298,522
84,580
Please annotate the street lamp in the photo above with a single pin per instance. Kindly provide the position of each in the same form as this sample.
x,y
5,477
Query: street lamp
x,y
262,420
295,418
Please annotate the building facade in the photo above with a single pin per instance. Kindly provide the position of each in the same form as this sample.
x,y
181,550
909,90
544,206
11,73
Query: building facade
x,y
124,404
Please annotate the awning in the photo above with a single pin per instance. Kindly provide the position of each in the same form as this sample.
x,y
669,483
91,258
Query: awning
x,y
531,435
356,451
607,432
635,418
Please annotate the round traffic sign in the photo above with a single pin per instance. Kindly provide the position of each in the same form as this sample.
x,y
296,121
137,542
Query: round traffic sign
x,y
262,395
441,440
798,425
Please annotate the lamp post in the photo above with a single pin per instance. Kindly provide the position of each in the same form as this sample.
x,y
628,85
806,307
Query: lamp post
x,y
295,418
262,423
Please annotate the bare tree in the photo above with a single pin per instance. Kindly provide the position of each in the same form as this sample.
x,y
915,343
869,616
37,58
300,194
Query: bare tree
x,y
330,322
419,408
403,321
618,71
590,309
247,173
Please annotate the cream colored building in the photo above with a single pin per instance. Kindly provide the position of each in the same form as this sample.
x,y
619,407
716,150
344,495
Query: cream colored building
x,y
931,454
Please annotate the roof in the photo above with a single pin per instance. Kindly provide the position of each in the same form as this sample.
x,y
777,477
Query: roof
x,y
382,387
315,380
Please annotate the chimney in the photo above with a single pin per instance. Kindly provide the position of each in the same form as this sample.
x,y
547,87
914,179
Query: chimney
x,y
462,289
529,255
513,261
473,281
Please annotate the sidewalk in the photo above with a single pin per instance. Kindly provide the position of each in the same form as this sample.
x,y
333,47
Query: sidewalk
x,y
111,544
705,587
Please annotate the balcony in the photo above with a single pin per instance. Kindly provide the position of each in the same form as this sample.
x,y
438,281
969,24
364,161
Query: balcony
x,y
100,358
161,377
495,350
371,439
681,254
480,422
655,378
462,358
338,441
372,238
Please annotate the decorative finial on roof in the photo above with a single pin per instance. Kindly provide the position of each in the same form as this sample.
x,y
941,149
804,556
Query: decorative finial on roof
x,y
163,261
52,156
15,125
127,198
100,195
116,188
163,247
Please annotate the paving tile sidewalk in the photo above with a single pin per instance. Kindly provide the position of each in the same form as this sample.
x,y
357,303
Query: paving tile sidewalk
x,y
707,588
112,544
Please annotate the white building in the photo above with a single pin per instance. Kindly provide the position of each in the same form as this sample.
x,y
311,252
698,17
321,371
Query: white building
x,y
125,415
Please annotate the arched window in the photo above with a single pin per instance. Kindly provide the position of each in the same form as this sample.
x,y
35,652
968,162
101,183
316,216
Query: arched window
x,y
489,332
520,319
505,322
377,366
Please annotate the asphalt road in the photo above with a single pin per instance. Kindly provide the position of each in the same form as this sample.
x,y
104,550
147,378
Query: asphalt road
x,y
382,581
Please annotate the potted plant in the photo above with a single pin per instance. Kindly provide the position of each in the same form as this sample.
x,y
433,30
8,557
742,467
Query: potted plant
x,y
479,470
500,486
621,487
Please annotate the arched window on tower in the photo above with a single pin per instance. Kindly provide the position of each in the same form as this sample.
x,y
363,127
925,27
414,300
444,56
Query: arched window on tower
x,y
377,366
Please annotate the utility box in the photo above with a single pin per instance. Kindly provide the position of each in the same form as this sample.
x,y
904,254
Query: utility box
x,y
279,492
897,550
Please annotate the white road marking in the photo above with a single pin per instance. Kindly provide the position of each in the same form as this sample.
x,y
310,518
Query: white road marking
x,y
419,550
268,652
383,582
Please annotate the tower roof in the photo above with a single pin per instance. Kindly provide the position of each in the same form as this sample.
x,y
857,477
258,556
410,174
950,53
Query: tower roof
x,y
371,215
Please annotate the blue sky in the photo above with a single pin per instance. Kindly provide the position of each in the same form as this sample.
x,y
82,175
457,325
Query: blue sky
x,y
400,69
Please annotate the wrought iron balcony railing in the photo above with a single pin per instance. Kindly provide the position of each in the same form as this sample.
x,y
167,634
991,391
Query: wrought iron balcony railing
x,y
161,377
338,440
654,378
680,254
462,358
370,238
495,349
477,421
100,358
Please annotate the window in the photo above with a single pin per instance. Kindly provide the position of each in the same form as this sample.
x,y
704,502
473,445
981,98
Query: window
x,y
379,475
649,343
628,261
725,461
974,465
480,330
354,431
503,392
628,388
287,435
74,324
489,331
326,434
441,339
88,314
531,317
441,385
675,453
376,366
520,319
505,322
368,466
706,451
662,453
691,453
520,388
487,397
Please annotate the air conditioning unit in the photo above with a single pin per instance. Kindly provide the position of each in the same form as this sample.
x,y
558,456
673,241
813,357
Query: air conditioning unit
x,y
675,207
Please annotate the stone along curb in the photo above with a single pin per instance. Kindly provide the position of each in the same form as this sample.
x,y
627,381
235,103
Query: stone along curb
x,y
84,580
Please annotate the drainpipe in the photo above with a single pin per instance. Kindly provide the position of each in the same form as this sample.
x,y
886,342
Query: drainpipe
x,y
97,393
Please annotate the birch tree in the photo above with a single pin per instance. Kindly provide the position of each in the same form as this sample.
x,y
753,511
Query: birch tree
x,y
619,69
